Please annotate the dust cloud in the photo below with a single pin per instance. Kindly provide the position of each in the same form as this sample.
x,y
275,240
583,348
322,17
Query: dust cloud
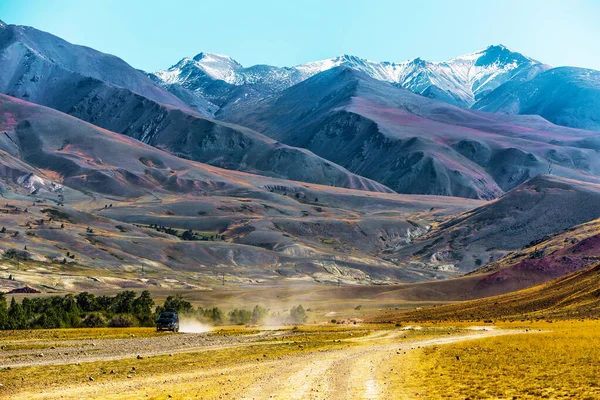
x,y
191,325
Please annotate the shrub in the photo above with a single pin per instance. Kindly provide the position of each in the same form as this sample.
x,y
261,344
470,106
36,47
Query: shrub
x,y
298,315
122,321
94,320
259,315
240,317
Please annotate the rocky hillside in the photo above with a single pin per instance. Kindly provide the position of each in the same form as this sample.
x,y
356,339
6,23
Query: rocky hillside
x,y
413,144
460,81
541,206
565,96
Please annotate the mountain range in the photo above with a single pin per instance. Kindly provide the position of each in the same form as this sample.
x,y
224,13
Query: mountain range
x,y
460,81
341,170
104,90
413,144
494,79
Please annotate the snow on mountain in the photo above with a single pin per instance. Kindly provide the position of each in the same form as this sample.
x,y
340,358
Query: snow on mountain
x,y
461,81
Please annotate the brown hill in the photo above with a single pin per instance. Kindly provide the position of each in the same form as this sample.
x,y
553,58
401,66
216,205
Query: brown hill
x,y
573,296
541,206
249,227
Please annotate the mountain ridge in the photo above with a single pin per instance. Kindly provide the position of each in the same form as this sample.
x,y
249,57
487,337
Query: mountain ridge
x,y
414,144
44,69
461,80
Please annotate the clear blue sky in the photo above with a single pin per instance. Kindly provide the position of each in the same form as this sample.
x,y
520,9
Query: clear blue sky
x,y
152,34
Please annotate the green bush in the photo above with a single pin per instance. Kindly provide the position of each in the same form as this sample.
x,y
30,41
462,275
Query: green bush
x,y
240,317
123,321
259,315
94,320
298,315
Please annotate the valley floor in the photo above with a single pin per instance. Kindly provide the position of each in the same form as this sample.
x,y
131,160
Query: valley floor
x,y
320,361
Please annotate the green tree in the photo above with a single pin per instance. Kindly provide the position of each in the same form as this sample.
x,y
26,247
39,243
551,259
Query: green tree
x,y
298,315
142,308
216,315
188,235
176,303
259,315
240,317
16,316
104,303
49,320
3,311
123,302
87,302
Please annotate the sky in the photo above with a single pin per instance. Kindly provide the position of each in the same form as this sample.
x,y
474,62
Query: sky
x,y
151,34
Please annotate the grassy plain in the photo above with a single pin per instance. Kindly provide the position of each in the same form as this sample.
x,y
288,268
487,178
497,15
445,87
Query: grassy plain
x,y
559,361
228,371
530,359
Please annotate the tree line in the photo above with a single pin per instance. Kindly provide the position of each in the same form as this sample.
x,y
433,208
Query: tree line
x,y
125,309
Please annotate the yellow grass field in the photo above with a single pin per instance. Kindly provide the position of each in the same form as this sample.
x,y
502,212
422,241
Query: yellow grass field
x,y
560,360
505,360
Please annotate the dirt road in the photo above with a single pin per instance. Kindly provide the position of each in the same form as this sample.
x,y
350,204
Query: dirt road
x,y
353,373
360,370
78,351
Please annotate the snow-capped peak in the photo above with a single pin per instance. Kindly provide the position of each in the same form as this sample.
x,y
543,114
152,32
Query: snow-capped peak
x,y
214,58
466,78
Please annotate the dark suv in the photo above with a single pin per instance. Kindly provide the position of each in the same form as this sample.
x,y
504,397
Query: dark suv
x,y
168,321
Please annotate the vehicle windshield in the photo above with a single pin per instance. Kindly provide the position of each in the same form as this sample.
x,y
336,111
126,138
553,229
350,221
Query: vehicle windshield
x,y
167,315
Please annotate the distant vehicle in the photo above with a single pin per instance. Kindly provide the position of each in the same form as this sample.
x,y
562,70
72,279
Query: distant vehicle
x,y
168,321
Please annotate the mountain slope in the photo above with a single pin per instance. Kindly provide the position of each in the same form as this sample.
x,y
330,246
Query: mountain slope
x,y
34,61
79,155
44,69
252,227
460,81
541,206
573,296
413,144
565,96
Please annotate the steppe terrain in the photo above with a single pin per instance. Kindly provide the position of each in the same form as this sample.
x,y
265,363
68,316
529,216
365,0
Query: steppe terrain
x,y
316,361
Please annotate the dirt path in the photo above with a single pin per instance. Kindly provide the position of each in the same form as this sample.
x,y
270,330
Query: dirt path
x,y
358,371
352,373
77,351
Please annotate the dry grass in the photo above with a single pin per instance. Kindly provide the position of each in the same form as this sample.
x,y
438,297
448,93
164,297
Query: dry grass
x,y
208,374
38,379
33,335
573,296
560,361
